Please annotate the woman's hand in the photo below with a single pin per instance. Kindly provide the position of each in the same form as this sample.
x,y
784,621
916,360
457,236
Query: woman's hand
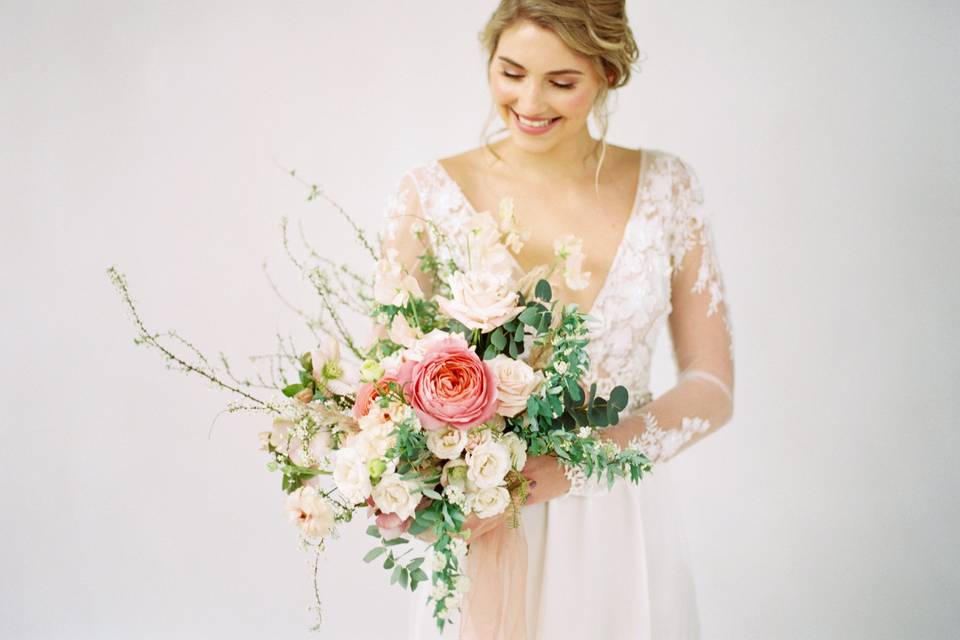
x,y
547,479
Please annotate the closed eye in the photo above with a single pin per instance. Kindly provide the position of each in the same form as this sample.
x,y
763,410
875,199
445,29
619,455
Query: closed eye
x,y
559,85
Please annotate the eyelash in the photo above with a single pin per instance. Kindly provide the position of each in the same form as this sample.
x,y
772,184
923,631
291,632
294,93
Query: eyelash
x,y
557,85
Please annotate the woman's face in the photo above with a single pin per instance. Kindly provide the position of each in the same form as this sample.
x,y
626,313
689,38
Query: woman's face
x,y
543,90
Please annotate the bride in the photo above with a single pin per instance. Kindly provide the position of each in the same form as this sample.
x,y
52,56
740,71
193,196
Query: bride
x,y
601,563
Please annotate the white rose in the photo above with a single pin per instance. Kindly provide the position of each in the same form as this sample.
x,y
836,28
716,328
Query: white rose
x,y
310,511
488,464
395,495
517,447
491,501
351,475
447,444
481,300
516,381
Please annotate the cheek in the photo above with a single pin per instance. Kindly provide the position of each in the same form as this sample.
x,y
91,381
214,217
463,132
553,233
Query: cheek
x,y
502,90
575,106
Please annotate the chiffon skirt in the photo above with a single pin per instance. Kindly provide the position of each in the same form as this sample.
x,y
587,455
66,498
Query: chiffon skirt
x,y
609,565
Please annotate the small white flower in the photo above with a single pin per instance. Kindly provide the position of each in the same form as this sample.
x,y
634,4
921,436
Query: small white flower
x,y
585,432
569,248
310,511
392,285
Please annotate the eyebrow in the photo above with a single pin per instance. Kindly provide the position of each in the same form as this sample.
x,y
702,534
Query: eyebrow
x,y
549,73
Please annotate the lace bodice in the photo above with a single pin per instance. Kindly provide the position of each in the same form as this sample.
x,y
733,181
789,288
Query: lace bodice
x,y
665,271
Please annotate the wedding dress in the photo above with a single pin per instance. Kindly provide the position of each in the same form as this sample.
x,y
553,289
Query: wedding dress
x,y
613,563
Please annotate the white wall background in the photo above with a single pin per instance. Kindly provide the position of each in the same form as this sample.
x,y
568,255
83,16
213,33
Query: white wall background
x,y
145,135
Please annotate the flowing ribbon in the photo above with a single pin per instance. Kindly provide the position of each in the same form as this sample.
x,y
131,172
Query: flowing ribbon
x,y
495,604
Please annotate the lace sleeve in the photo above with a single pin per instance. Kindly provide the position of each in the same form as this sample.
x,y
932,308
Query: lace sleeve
x,y
701,401
404,237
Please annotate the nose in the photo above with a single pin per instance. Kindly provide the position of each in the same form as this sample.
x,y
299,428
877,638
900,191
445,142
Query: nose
x,y
530,102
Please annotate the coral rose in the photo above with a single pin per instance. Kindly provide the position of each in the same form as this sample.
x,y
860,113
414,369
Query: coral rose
x,y
368,394
451,385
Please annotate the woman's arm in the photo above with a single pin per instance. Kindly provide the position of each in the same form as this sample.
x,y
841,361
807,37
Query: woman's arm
x,y
702,399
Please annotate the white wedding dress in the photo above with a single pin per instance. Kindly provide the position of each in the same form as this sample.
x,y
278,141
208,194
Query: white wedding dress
x,y
612,564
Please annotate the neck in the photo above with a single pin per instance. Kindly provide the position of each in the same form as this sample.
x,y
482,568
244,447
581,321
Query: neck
x,y
570,159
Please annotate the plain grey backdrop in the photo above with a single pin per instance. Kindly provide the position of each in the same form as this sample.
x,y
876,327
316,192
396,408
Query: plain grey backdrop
x,y
151,135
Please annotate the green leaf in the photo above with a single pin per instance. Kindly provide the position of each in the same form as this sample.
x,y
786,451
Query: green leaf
x,y
395,542
532,407
619,397
430,493
418,526
373,554
292,390
419,575
373,530
613,416
396,574
490,352
576,393
404,578
529,316
544,322
305,378
498,339
415,564
389,562
543,290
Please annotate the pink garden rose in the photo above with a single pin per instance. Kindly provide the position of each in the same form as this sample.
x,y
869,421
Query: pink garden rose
x,y
451,385
368,394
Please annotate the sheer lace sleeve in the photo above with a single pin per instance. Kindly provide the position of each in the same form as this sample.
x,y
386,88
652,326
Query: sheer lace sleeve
x,y
405,233
702,399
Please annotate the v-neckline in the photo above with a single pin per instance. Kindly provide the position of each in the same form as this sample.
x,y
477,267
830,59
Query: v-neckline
x,y
617,257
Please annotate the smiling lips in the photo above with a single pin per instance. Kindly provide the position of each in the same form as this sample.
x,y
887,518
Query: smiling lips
x,y
534,126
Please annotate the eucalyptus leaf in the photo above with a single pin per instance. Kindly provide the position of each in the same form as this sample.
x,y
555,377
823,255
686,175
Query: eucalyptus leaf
x,y
373,554
543,290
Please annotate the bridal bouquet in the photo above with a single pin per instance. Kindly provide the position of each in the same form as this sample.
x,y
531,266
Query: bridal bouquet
x,y
429,420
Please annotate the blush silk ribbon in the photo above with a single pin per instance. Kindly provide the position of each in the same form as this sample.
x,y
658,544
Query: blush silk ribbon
x,y
494,606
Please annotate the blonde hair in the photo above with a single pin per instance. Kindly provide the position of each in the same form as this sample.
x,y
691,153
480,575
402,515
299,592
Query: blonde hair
x,y
597,29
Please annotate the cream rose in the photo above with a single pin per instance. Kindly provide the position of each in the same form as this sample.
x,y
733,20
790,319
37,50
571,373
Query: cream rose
x,y
489,502
395,495
488,464
310,511
516,381
481,300
448,443
351,475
